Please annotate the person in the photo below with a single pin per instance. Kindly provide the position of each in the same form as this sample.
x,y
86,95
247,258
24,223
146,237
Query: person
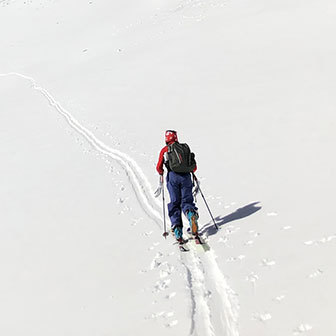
x,y
179,185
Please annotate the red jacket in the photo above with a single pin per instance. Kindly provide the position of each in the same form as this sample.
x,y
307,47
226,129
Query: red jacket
x,y
159,166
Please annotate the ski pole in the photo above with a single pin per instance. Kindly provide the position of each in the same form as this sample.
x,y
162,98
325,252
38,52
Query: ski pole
x,y
199,188
165,233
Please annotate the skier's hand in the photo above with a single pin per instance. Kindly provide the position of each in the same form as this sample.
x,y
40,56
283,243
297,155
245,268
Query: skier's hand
x,y
158,191
196,189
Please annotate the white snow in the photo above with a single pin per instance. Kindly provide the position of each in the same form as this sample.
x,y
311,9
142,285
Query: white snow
x,y
87,89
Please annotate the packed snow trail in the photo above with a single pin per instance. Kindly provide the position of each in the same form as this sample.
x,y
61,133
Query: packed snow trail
x,y
210,316
131,168
227,299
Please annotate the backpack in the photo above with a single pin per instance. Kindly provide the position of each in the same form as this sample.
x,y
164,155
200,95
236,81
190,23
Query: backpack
x,y
180,158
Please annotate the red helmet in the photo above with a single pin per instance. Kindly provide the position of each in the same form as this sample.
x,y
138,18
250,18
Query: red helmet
x,y
171,136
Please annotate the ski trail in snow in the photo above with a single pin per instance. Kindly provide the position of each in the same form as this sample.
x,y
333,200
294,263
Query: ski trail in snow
x,y
211,314
192,296
212,300
138,180
227,302
201,324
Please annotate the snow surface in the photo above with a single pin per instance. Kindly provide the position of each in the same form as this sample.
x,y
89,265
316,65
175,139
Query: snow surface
x,y
87,91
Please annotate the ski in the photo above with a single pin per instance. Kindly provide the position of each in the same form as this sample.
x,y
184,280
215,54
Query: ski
x,y
183,248
197,243
200,242
182,245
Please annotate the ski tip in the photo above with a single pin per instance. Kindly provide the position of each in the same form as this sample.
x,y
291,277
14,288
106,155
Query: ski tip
x,y
198,240
183,248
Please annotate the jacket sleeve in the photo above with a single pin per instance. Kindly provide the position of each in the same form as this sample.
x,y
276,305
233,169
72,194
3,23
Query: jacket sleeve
x,y
159,166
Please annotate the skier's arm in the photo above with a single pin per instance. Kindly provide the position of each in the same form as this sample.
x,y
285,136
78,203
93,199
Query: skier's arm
x,y
159,166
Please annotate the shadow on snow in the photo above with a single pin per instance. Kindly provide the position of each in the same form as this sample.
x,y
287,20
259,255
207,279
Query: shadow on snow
x,y
240,213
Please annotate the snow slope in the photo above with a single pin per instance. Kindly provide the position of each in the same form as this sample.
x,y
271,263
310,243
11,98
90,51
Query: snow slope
x,y
87,90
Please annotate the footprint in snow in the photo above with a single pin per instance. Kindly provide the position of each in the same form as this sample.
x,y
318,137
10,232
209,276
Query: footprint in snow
x,y
163,274
153,246
161,285
156,315
262,317
208,294
172,324
286,227
166,269
125,209
327,239
316,274
171,295
254,233
249,243
320,241
136,221
272,214
121,200
147,234
252,277
232,259
155,263
231,230
267,262
279,298
223,240
302,328
169,314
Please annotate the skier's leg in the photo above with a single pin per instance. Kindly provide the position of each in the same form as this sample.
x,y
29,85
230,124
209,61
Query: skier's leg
x,y
187,198
174,207
192,216
188,206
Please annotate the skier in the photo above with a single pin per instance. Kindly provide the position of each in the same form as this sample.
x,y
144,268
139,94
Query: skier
x,y
180,163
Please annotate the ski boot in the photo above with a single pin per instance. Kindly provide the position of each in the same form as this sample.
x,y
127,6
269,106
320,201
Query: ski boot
x,y
179,238
192,216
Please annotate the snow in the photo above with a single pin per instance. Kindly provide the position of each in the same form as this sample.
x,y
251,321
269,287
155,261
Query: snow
x,y
88,89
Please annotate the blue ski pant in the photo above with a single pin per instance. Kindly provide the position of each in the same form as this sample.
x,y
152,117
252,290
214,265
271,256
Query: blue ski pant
x,y
180,187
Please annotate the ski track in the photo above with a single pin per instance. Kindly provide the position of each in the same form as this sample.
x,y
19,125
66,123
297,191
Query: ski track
x,y
139,182
201,324
214,305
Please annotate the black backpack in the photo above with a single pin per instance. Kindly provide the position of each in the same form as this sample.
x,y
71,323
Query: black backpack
x,y
180,158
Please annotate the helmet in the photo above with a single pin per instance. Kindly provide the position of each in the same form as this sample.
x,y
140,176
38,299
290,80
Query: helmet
x,y
171,136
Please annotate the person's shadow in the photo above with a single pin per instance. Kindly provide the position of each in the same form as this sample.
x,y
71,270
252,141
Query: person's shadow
x,y
209,229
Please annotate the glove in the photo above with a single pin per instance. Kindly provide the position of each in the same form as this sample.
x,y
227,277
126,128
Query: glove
x,y
196,184
158,191
196,190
